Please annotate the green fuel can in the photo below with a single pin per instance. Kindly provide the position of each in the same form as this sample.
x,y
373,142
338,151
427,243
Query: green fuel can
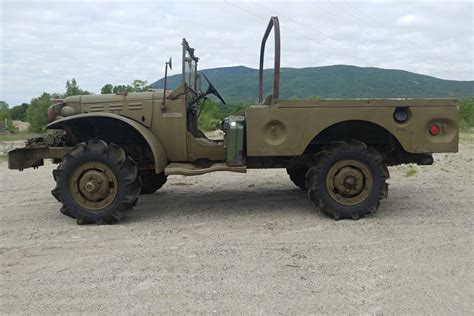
x,y
234,129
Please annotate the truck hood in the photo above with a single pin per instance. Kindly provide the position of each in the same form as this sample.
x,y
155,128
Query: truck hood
x,y
101,98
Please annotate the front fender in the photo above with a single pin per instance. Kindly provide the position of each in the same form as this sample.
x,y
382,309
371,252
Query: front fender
x,y
159,153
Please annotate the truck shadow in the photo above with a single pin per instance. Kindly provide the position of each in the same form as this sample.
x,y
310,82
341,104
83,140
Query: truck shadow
x,y
221,202
234,203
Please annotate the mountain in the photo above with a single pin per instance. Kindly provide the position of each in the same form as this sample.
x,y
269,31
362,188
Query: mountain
x,y
240,84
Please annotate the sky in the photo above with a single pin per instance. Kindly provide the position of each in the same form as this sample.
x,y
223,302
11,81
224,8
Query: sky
x,y
45,43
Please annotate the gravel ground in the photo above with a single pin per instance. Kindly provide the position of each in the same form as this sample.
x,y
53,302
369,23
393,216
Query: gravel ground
x,y
233,243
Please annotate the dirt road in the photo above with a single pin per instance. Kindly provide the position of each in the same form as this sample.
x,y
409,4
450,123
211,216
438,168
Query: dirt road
x,y
232,243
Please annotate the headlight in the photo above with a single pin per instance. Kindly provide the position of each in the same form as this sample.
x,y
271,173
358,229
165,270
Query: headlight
x,y
54,111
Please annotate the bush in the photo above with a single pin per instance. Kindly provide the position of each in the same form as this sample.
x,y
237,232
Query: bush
x,y
37,112
209,116
466,113
18,112
212,114
6,116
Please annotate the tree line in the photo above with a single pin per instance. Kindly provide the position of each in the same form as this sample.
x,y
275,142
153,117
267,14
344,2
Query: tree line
x,y
35,112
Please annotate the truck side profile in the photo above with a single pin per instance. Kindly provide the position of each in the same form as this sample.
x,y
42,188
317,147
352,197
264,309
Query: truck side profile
x,y
112,148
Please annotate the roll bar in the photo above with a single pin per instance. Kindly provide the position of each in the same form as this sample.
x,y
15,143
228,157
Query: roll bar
x,y
276,79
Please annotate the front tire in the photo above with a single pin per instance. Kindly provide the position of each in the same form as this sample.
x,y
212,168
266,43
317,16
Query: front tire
x,y
151,182
96,183
347,180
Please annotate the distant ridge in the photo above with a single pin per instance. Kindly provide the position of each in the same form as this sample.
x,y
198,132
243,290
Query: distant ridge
x,y
240,84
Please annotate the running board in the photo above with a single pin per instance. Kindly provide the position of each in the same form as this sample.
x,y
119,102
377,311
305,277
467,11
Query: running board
x,y
188,169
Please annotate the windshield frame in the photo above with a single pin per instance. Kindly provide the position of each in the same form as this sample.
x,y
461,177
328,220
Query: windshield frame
x,y
190,62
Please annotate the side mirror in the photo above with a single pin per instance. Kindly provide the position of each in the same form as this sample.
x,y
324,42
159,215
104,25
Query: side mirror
x,y
170,65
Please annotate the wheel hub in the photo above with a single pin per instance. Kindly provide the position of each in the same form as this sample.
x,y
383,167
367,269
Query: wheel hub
x,y
91,186
349,181
94,186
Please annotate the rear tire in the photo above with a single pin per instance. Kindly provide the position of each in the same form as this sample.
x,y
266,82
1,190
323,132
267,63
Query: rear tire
x,y
298,177
151,182
96,183
347,180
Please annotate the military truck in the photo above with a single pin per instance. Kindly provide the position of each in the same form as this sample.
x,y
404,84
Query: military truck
x,y
112,148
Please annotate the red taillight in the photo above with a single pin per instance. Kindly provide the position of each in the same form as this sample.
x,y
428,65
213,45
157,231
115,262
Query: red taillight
x,y
434,129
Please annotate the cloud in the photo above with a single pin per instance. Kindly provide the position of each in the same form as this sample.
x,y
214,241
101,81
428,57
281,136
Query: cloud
x,y
408,19
43,44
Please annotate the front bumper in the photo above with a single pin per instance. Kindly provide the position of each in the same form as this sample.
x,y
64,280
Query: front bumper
x,y
33,157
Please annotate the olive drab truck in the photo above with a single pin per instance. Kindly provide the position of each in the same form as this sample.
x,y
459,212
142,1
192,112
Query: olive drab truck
x,y
112,148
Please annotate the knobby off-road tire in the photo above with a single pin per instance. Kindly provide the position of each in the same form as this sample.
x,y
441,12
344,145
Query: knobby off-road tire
x,y
298,177
347,180
151,182
96,183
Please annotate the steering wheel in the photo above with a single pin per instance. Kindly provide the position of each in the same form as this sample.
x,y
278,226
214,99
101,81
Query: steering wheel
x,y
211,89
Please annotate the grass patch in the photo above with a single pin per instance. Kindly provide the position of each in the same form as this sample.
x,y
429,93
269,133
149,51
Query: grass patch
x,y
411,171
467,136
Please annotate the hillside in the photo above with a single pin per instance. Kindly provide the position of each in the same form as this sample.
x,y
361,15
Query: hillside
x,y
240,84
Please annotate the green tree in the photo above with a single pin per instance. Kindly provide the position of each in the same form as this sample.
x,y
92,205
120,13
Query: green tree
x,y
122,89
37,112
18,112
4,110
140,85
107,89
136,86
72,88
5,115
209,118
